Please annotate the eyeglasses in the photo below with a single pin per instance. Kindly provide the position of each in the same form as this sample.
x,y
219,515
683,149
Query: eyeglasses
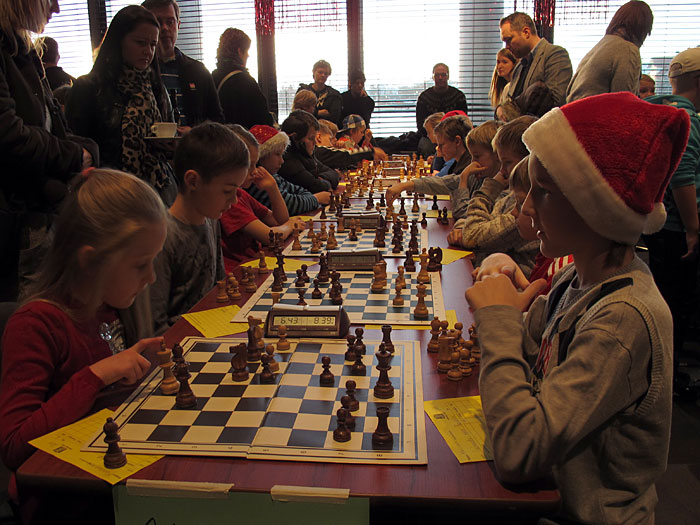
x,y
440,75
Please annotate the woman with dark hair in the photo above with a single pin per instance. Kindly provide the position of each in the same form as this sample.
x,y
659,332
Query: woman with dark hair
x,y
300,166
614,64
38,155
502,75
241,98
122,97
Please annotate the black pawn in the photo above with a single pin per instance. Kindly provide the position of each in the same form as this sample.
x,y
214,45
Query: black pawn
x,y
424,221
316,293
349,419
266,376
382,437
305,275
409,264
350,354
341,434
114,457
326,378
323,213
350,387
358,367
435,204
299,283
301,292
360,347
185,398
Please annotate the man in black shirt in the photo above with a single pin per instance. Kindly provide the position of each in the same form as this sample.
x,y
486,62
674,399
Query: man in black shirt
x,y
188,82
355,100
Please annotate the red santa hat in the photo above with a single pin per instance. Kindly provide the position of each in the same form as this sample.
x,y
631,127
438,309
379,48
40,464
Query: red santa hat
x,y
270,139
612,156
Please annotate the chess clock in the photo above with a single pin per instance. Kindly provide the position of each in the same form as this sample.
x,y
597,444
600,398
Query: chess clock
x,y
307,321
353,259
367,220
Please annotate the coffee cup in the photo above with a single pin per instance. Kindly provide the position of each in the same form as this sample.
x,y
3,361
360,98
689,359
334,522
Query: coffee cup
x,y
164,129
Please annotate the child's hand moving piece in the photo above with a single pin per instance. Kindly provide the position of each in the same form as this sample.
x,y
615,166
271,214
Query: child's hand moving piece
x,y
128,366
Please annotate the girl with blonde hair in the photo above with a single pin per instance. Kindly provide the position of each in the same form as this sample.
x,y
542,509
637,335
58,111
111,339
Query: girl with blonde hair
x,y
502,75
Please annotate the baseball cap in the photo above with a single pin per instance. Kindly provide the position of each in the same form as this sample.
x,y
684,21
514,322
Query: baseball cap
x,y
352,122
685,62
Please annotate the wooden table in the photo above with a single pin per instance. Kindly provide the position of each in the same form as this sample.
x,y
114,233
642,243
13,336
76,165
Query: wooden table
x,y
443,482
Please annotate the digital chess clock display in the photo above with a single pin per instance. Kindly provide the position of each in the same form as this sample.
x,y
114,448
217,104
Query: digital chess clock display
x,y
315,321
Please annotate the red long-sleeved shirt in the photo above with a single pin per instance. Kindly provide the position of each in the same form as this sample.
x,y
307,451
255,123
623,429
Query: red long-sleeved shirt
x,y
46,380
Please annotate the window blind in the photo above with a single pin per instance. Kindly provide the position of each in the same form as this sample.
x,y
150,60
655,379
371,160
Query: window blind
x,y
71,29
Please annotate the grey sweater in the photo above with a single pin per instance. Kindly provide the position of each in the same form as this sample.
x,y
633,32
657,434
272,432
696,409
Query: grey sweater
x,y
188,267
613,65
599,420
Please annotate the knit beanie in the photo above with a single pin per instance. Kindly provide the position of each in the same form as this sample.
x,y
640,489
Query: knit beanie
x,y
612,157
270,139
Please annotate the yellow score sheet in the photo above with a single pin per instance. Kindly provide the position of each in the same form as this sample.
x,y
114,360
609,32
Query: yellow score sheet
x,y
65,443
462,424
217,321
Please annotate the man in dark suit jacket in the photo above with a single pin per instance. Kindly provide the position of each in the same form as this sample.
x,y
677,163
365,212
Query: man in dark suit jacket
x,y
539,61
189,84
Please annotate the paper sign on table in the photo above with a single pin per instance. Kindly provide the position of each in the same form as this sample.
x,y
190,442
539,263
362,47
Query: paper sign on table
x,y
65,443
449,255
216,322
462,424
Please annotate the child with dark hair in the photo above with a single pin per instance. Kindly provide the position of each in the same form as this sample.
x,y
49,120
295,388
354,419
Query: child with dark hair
x,y
355,99
300,166
247,226
211,164
580,387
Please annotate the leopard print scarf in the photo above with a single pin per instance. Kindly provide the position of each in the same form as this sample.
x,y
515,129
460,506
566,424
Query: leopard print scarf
x,y
140,113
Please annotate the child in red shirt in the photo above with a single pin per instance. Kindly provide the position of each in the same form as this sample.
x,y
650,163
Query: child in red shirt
x,y
68,341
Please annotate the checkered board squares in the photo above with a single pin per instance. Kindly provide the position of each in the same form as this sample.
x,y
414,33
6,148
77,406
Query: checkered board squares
x,y
362,305
365,241
357,207
292,419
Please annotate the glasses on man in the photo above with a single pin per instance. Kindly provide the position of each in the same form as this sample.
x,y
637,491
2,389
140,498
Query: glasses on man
x,y
440,75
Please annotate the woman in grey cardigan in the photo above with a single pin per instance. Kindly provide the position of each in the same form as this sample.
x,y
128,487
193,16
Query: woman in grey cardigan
x,y
614,64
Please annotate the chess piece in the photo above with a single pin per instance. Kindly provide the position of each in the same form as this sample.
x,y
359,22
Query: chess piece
x,y
382,437
326,378
378,282
239,362
382,200
434,332
360,347
253,335
274,365
444,219
169,384
276,281
409,264
323,274
315,245
299,283
383,389
332,243
349,418
400,277
444,354
280,265
435,259
316,293
435,203
398,299
296,243
301,292
415,208
402,210
379,238
114,457
276,296
185,398
266,376
423,276
233,290
465,366
350,388
323,213
421,310
358,226
454,373
251,287
341,434
323,234
350,353
310,228
221,295
177,354
404,223
282,345
386,338
352,236
341,224
358,368
262,263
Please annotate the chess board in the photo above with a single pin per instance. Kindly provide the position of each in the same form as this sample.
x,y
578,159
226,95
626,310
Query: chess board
x,y
361,207
362,305
365,241
292,419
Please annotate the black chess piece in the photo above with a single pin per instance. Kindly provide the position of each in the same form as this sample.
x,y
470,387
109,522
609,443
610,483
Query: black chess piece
x,y
301,292
341,434
358,368
114,457
350,353
386,339
299,283
349,418
409,264
326,378
280,265
185,398
276,280
304,274
382,200
424,221
383,389
435,203
239,362
323,213
266,376
360,347
350,388
382,437
316,293
177,354
323,274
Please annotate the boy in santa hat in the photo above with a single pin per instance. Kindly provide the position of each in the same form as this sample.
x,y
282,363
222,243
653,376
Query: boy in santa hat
x,y
580,387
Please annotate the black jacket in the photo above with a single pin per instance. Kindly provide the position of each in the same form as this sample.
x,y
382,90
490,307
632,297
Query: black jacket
x,y
241,98
304,170
95,109
329,99
198,91
352,105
